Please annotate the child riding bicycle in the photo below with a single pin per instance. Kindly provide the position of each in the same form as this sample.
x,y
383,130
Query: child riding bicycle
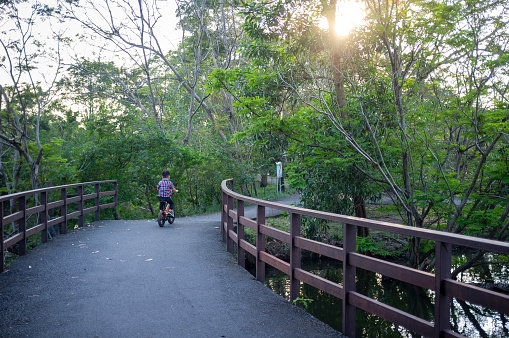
x,y
166,188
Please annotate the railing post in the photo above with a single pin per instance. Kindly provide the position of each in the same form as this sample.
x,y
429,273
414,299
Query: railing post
x,y
97,190
225,213
241,254
63,211
81,217
224,202
22,228
349,244
44,216
443,254
229,226
2,249
115,196
295,223
260,243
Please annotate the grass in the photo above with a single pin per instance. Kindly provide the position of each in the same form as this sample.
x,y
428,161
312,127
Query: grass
x,y
270,193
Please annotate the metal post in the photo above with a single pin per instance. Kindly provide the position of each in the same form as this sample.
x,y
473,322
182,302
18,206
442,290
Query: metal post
x,y
44,216
63,211
241,254
443,254
349,237
260,244
22,228
81,217
295,223
97,203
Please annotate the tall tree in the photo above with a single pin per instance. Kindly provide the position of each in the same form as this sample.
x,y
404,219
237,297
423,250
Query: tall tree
x,y
135,31
23,98
423,83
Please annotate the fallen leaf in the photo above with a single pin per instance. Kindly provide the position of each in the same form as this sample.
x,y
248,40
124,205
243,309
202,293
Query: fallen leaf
x,y
148,260
95,252
109,258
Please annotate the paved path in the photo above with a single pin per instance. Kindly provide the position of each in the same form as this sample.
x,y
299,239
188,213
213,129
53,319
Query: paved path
x,y
135,279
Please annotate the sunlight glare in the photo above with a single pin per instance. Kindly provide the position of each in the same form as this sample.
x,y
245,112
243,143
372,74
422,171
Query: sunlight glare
x,y
349,14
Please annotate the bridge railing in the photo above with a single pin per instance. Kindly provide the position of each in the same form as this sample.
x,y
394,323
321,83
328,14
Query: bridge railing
x,y
38,205
440,282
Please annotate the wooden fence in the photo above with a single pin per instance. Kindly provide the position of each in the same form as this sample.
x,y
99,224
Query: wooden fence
x,y
43,207
440,282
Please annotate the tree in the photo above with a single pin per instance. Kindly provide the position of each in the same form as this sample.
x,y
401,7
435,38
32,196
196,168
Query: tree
x,y
135,35
23,98
420,119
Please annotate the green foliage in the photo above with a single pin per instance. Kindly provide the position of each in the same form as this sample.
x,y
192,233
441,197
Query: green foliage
x,y
55,168
305,302
425,119
366,245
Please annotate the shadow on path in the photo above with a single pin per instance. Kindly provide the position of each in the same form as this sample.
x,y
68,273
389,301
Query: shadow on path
x,y
135,279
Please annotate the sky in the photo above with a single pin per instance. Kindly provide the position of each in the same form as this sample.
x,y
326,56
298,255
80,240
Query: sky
x,y
94,48
44,30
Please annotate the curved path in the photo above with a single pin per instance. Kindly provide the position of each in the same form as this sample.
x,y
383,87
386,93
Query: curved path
x,y
135,279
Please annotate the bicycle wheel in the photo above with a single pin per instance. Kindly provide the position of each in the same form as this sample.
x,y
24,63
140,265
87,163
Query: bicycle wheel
x,y
171,217
160,219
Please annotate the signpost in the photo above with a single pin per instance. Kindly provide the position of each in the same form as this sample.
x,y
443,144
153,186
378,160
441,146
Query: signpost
x,y
279,175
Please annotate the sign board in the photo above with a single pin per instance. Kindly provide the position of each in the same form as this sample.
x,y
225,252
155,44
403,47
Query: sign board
x,y
279,169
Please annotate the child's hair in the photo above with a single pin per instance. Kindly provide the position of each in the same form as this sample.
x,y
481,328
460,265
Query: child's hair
x,y
166,173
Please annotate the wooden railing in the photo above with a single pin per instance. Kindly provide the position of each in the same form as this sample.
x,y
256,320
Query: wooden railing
x,y
440,282
22,230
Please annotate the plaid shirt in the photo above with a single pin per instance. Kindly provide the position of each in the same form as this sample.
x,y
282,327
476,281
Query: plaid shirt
x,y
165,188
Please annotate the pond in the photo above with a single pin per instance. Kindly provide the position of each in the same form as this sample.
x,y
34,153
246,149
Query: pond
x,y
467,319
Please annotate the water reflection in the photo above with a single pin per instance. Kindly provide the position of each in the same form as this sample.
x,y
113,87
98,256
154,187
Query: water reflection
x,y
466,319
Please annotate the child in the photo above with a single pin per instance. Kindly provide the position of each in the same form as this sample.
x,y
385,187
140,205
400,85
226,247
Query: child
x,y
165,188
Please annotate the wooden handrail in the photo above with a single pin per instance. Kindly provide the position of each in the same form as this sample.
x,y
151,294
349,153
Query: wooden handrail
x,y
441,283
43,209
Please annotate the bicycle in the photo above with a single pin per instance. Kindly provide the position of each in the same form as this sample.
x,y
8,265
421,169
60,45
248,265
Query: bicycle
x,y
166,215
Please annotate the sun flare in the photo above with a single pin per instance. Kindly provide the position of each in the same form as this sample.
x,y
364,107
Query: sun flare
x,y
349,15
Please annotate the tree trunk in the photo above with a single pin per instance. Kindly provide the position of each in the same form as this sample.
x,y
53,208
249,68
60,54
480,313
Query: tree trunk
x,y
360,211
263,181
339,88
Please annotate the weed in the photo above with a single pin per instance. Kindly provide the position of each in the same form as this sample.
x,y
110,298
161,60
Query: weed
x,y
305,302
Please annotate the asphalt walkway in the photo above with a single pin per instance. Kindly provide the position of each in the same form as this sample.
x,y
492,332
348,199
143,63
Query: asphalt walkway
x,y
135,279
